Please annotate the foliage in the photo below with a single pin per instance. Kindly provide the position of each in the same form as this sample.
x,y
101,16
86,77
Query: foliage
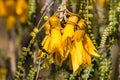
x,y
73,40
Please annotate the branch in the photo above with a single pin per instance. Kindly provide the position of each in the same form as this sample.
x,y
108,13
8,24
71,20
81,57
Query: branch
x,y
47,9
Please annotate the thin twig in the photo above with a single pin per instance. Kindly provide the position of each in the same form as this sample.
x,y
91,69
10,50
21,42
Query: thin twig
x,y
38,68
70,13
62,7
45,13
45,6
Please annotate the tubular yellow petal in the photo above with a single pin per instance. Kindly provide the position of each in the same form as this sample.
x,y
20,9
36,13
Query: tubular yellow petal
x,y
78,35
88,58
66,54
44,40
45,46
92,52
47,28
55,22
85,55
82,24
47,32
89,46
76,57
55,43
81,49
55,37
68,31
58,59
89,42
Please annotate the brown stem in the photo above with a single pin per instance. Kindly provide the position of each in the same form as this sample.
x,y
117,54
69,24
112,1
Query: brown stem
x,y
11,51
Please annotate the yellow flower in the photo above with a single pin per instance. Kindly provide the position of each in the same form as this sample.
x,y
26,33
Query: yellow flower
x,y
3,11
22,10
11,21
10,6
46,40
73,41
52,40
68,32
21,7
81,48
